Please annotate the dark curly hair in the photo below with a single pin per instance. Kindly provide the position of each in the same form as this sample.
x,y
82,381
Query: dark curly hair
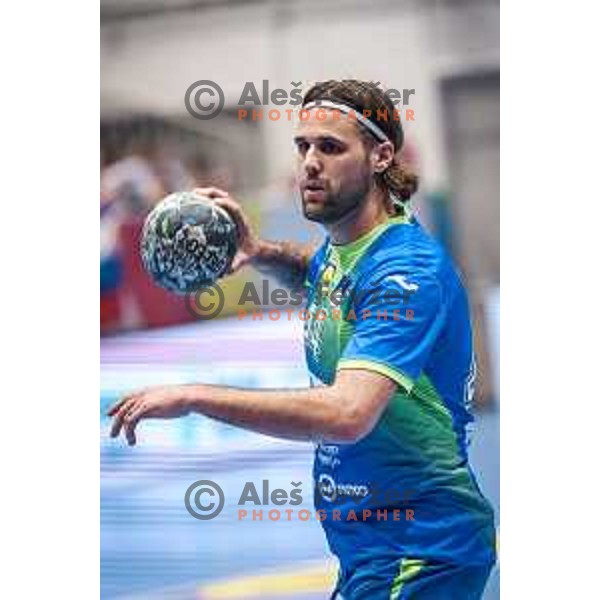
x,y
364,96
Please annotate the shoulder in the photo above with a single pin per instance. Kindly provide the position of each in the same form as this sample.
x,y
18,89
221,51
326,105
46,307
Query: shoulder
x,y
406,248
408,257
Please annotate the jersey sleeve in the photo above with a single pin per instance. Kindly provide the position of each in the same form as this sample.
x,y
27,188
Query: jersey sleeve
x,y
398,320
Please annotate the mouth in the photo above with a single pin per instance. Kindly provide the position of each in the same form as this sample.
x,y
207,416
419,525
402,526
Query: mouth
x,y
314,191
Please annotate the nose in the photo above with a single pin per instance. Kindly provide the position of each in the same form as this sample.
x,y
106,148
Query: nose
x,y
313,164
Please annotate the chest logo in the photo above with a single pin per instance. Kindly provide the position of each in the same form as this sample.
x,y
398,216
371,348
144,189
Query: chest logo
x,y
403,283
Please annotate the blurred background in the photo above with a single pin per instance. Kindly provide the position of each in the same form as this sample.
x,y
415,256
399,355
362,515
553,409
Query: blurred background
x,y
151,52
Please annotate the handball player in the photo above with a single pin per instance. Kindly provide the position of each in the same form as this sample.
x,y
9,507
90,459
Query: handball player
x,y
388,408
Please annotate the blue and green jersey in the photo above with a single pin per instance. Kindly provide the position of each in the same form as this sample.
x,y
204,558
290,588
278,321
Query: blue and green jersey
x,y
392,302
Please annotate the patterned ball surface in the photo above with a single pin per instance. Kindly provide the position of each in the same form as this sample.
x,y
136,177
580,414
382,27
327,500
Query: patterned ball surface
x,y
187,242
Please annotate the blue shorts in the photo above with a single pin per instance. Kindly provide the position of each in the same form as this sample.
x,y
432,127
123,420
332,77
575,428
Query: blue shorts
x,y
412,579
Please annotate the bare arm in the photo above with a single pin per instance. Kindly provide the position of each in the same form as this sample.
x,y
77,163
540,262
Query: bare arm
x,y
286,261
344,412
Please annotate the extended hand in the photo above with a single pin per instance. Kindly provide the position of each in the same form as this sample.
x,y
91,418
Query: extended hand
x,y
161,402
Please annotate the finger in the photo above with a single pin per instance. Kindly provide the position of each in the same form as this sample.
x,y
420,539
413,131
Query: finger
x,y
130,434
211,192
117,405
131,421
120,416
241,259
238,215
233,207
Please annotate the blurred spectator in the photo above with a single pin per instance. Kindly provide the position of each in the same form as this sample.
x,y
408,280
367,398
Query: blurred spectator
x,y
111,263
133,183
143,160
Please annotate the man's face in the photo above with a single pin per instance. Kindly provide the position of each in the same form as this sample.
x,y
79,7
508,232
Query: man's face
x,y
333,170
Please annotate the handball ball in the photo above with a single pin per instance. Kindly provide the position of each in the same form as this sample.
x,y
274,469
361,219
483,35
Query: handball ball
x,y
188,242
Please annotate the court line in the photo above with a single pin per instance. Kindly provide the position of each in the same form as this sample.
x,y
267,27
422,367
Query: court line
x,y
309,578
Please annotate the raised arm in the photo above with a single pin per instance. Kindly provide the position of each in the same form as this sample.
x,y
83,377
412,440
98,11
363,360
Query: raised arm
x,y
286,261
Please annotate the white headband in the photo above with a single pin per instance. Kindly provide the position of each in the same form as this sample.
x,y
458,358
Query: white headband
x,y
374,129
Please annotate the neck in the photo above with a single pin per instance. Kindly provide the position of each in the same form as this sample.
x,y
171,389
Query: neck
x,y
355,224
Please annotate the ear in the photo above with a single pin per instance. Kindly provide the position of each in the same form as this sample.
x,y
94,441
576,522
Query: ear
x,y
382,156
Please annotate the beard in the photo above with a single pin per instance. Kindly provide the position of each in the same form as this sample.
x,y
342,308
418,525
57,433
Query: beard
x,y
337,206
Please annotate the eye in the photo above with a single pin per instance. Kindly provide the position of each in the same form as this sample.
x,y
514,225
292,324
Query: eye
x,y
302,147
330,147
